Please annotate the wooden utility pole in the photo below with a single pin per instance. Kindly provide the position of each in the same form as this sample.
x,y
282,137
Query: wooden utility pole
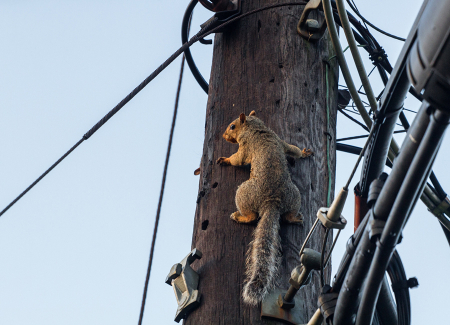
x,y
262,64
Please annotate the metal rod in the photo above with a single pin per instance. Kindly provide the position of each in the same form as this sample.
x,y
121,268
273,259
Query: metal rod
x,y
332,247
290,294
307,237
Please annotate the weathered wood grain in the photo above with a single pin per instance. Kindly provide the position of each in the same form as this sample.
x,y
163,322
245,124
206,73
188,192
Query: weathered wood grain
x,y
261,64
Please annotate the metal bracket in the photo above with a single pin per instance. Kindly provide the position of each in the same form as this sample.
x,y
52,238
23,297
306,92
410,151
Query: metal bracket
x,y
185,283
219,5
286,306
224,15
310,28
271,309
442,207
328,223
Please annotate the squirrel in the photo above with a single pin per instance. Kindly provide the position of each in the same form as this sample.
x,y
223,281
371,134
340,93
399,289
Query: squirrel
x,y
269,194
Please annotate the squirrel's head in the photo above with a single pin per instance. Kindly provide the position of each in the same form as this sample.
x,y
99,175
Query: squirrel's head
x,y
232,132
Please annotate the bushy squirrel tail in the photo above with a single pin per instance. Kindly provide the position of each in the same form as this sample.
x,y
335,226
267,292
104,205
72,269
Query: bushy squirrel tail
x,y
263,258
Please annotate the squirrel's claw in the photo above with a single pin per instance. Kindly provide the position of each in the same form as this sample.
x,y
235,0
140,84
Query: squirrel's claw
x,y
307,152
223,161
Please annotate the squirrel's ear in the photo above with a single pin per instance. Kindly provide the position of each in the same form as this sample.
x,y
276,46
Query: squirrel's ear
x,y
242,117
252,113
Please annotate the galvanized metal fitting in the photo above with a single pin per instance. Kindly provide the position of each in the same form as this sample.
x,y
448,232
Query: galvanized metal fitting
x,y
322,214
310,28
184,281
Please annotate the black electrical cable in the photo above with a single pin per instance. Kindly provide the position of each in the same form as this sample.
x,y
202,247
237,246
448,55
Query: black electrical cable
x,y
190,60
354,120
446,232
372,25
161,193
376,52
163,182
366,39
42,176
397,274
355,151
184,37
205,31
382,63
404,121
364,136
437,186
322,258
405,187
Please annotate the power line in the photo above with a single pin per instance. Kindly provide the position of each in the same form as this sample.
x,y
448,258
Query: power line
x,y
202,33
161,193
354,120
372,25
364,136
208,29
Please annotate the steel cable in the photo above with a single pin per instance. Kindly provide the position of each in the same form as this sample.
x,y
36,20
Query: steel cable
x,y
161,193
205,31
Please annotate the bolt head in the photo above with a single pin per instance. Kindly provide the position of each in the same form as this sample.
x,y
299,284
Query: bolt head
x,y
312,25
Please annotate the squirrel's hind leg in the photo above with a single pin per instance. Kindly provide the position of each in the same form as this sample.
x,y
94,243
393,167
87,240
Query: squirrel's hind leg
x,y
249,217
246,195
293,217
291,213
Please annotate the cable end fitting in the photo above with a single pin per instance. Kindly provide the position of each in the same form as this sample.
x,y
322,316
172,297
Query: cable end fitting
x,y
332,217
335,210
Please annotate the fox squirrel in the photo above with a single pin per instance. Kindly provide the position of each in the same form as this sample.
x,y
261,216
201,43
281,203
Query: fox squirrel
x,y
269,194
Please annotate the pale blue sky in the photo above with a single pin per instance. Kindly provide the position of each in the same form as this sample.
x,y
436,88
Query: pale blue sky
x,y
74,250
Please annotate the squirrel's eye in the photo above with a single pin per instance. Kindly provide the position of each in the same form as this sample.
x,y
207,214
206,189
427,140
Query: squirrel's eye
x,y
232,126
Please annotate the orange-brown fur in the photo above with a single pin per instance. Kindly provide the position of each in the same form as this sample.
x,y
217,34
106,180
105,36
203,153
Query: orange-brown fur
x,y
269,194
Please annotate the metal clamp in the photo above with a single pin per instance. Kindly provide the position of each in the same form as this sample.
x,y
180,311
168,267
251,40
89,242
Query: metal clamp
x,y
185,283
322,214
219,5
442,207
376,227
327,301
286,306
223,15
310,28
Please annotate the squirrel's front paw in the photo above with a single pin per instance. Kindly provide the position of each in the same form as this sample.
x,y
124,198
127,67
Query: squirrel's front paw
x,y
307,152
235,216
223,161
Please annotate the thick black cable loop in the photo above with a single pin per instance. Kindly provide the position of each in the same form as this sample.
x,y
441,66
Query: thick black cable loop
x,y
184,37
190,60
397,274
